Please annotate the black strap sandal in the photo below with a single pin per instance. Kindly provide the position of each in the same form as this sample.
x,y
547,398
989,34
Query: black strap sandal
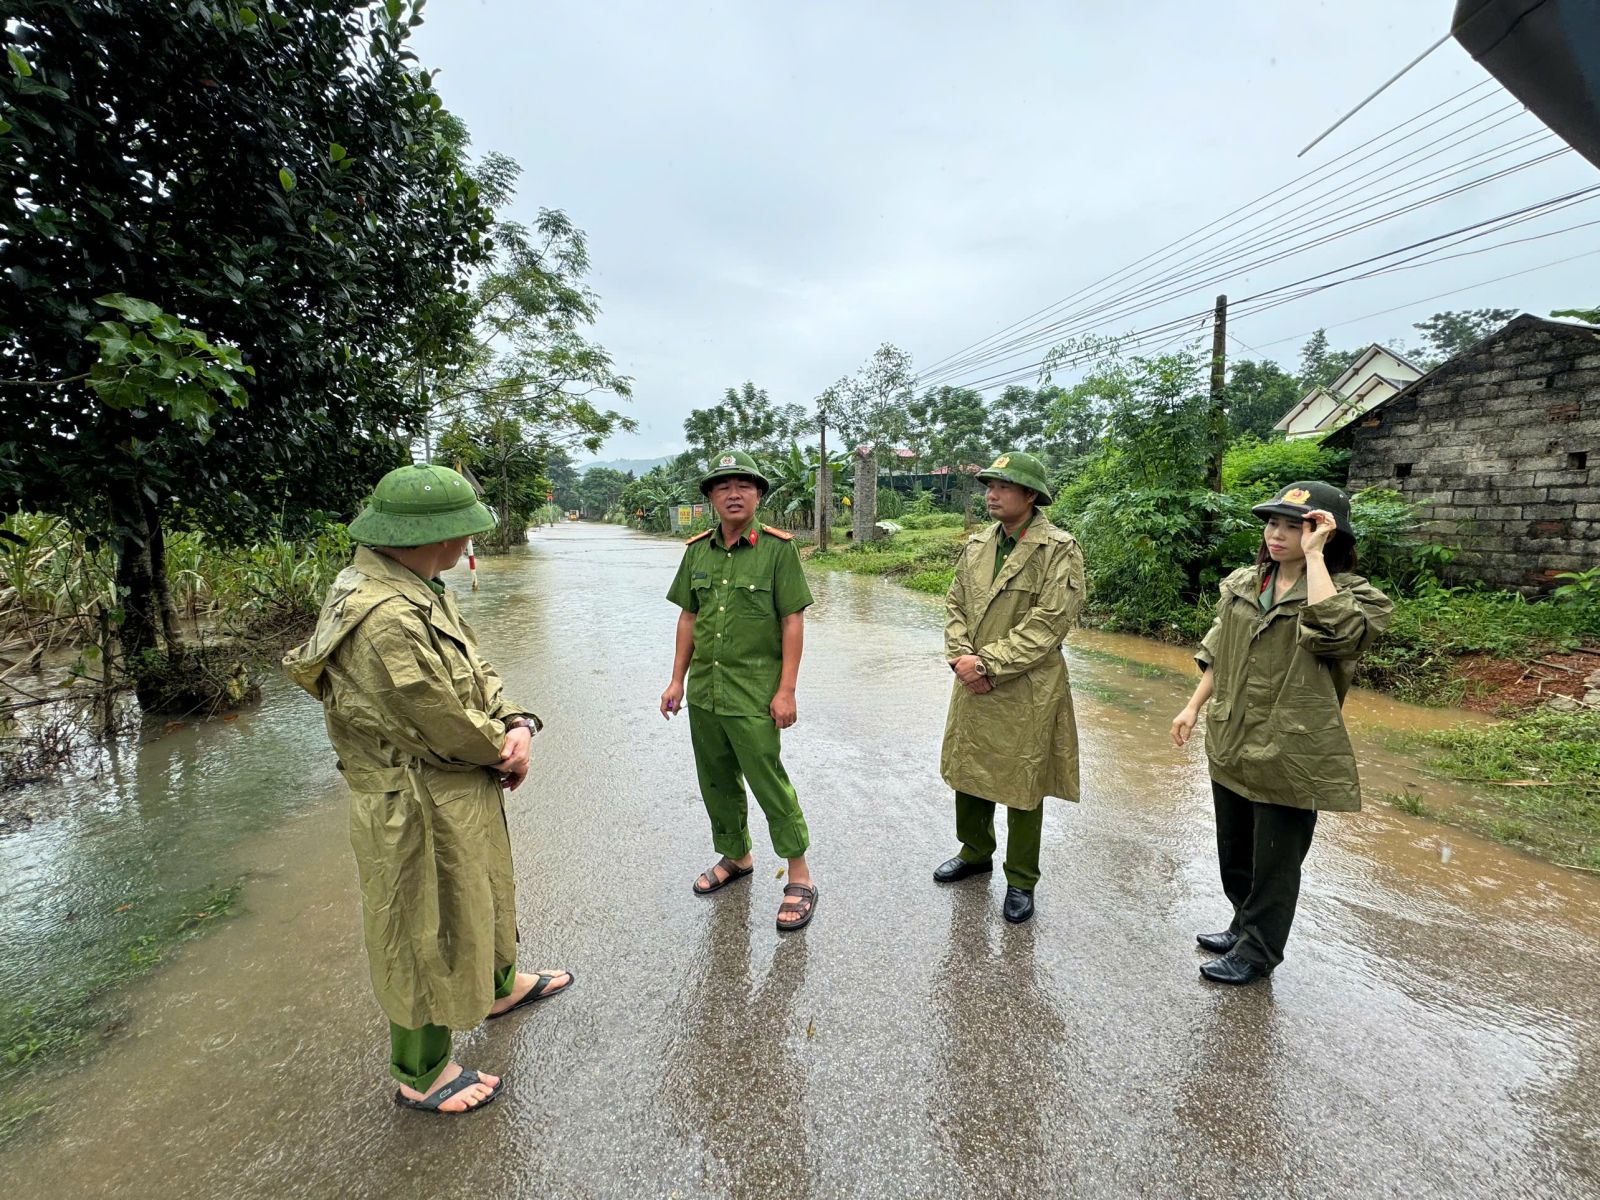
x,y
733,869
541,990
430,1103
798,897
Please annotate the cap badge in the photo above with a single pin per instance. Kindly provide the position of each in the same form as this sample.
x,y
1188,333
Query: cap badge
x,y
1296,496
727,460
1001,463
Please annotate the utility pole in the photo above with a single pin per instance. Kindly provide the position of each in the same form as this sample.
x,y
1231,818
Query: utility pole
x,y
824,482
1219,409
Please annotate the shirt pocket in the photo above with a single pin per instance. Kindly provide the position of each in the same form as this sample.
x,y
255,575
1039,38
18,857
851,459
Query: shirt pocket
x,y
754,600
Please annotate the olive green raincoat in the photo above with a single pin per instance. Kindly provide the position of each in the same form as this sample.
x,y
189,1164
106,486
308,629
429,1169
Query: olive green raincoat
x,y
417,719
1018,743
1274,730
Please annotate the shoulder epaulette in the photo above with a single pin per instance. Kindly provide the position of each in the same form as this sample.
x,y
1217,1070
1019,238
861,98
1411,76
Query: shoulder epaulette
x,y
704,533
781,534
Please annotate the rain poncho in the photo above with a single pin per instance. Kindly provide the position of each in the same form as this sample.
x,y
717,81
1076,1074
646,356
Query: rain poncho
x,y
1018,743
417,719
1274,730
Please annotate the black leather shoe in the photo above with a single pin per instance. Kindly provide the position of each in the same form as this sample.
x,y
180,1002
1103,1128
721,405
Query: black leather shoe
x,y
1231,968
1019,905
1218,943
956,869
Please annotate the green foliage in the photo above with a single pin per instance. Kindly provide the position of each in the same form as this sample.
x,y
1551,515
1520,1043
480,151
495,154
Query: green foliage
x,y
1447,334
197,156
155,361
746,419
921,504
1435,625
1255,470
1259,395
1319,364
1581,589
890,504
1553,761
1588,315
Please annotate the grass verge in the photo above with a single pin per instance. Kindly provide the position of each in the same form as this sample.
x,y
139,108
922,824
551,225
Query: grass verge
x,y
921,559
1538,780
46,1031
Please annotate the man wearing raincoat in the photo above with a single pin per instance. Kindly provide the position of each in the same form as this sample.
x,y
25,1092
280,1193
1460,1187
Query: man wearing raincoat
x,y
426,740
1010,737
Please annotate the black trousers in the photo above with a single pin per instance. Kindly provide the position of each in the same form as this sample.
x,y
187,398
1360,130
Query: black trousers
x,y
1260,848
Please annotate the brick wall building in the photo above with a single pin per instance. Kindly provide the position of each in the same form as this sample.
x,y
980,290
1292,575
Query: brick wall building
x,y
1501,448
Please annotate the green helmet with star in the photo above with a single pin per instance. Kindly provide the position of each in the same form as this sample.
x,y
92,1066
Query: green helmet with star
x,y
732,463
1024,470
419,505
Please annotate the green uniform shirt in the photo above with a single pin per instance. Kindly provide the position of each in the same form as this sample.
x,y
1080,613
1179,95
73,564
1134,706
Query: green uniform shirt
x,y
1004,543
738,594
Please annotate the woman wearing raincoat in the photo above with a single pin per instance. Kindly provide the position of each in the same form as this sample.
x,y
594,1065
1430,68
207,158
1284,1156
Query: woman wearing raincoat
x,y
1277,664
426,741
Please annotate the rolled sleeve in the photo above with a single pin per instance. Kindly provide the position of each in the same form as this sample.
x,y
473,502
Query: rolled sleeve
x,y
1346,623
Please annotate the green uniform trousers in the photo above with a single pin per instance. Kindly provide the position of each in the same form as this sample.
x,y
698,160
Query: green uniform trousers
x,y
1024,831
1260,848
416,1056
728,751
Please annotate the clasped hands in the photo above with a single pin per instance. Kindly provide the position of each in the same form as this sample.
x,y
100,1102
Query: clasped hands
x,y
513,764
967,669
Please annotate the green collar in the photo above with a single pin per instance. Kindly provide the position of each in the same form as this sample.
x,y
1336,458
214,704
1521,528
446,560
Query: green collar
x,y
747,537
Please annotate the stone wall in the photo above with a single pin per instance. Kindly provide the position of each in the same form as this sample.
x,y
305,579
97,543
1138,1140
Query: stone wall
x,y
1501,447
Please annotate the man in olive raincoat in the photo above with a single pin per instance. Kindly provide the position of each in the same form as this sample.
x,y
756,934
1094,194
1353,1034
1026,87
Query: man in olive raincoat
x,y
1010,737
426,740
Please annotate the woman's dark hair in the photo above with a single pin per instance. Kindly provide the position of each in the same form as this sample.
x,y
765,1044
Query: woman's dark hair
x,y
1340,553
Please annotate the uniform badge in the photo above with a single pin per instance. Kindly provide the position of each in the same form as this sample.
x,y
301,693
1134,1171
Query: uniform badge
x,y
1001,463
1296,496
727,460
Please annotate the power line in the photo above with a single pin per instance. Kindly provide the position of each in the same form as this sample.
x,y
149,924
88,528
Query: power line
x,y
1229,262
1272,298
1246,207
1196,276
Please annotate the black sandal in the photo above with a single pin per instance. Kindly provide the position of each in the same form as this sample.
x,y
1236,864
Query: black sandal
x,y
733,869
541,990
801,897
430,1103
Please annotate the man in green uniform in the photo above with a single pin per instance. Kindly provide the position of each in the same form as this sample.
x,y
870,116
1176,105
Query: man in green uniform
x,y
743,596
1010,737
426,740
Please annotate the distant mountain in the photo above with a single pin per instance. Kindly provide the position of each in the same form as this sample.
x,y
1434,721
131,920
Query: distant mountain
x,y
637,465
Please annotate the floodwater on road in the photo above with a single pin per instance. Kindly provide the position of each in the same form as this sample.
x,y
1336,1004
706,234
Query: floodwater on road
x,y
1434,1032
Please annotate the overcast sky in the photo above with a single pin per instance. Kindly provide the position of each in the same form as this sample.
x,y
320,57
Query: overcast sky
x,y
771,190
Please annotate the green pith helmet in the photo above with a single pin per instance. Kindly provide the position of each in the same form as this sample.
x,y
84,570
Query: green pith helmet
x,y
733,463
1024,470
419,505
1297,499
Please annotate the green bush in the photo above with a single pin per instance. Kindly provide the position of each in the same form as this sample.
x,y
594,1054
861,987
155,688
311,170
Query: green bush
x,y
890,504
1256,470
922,504
931,520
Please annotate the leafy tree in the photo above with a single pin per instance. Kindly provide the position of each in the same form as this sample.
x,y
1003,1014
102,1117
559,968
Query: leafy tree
x,y
958,432
523,390
1049,420
599,490
869,410
203,158
1590,315
1255,470
1259,395
1447,334
1320,365
746,419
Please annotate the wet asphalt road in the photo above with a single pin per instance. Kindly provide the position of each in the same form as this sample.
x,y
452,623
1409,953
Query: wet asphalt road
x,y
1435,1031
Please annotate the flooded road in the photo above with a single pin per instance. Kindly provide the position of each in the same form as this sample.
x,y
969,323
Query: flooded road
x,y
1435,1031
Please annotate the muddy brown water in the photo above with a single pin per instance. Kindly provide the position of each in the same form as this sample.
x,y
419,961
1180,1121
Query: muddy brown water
x,y
1435,1030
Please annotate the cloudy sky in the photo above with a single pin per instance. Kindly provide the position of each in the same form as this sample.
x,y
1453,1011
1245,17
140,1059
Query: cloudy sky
x,y
772,190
